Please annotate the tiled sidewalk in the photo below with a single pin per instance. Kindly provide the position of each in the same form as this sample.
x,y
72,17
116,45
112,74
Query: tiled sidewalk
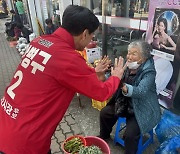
x,y
9,60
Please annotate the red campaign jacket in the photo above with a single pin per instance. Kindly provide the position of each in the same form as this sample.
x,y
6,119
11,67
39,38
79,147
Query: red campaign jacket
x,y
47,78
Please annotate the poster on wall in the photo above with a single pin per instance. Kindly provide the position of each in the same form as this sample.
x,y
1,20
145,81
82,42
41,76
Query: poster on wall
x,y
163,34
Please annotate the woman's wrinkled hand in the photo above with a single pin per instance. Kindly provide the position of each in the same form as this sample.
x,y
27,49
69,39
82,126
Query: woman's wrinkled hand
x,y
124,88
119,67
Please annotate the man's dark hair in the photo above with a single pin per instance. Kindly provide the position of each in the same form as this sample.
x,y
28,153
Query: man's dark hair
x,y
12,11
78,18
48,21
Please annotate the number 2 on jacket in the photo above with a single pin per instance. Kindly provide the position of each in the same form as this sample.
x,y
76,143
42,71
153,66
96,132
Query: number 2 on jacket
x,y
10,91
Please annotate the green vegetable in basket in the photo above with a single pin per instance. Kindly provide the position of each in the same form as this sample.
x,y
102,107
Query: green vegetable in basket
x,y
90,150
73,145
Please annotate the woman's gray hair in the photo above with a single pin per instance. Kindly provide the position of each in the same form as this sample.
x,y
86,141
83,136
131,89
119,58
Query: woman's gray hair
x,y
144,47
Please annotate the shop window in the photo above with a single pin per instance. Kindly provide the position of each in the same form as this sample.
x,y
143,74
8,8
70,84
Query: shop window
x,y
118,39
126,21
56,12
121,8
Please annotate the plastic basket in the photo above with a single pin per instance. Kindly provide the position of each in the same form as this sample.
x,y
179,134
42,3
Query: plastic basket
x,y
99,105
93,140
71,137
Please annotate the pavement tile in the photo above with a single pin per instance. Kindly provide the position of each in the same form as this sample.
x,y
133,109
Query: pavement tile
x,y
58,128
70,119
55,147
76,129
63,120
69,134
65,127
60,137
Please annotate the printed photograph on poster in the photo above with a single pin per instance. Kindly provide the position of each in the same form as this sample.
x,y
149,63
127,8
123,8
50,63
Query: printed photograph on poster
x,y
167,62
168,79
165,32
164,37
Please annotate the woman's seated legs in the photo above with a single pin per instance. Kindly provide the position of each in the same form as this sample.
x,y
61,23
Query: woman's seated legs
x,y
107,121
132,135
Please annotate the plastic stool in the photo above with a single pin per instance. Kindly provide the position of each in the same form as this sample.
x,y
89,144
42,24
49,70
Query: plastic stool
x,y
141,145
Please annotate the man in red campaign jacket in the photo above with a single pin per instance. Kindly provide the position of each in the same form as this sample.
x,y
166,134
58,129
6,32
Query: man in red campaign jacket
x,y
49,75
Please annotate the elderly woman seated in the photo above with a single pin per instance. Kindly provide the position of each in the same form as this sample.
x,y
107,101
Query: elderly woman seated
x,y
142,110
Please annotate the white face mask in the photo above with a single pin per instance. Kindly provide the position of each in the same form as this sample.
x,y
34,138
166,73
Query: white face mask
x,y
133,65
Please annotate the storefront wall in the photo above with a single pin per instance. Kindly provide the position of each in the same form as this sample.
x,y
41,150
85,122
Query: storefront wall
x,y
124,20
33,14
44,9
56,12
9,4
30,12
37,11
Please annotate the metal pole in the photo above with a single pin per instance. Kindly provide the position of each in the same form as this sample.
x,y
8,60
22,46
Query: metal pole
x,y
104,28
127,4
91,5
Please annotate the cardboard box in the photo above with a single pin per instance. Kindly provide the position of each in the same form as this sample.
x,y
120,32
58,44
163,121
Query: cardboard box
x,y
93,54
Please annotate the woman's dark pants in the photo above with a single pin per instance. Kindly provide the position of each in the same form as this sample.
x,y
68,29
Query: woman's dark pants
x,y
132,132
